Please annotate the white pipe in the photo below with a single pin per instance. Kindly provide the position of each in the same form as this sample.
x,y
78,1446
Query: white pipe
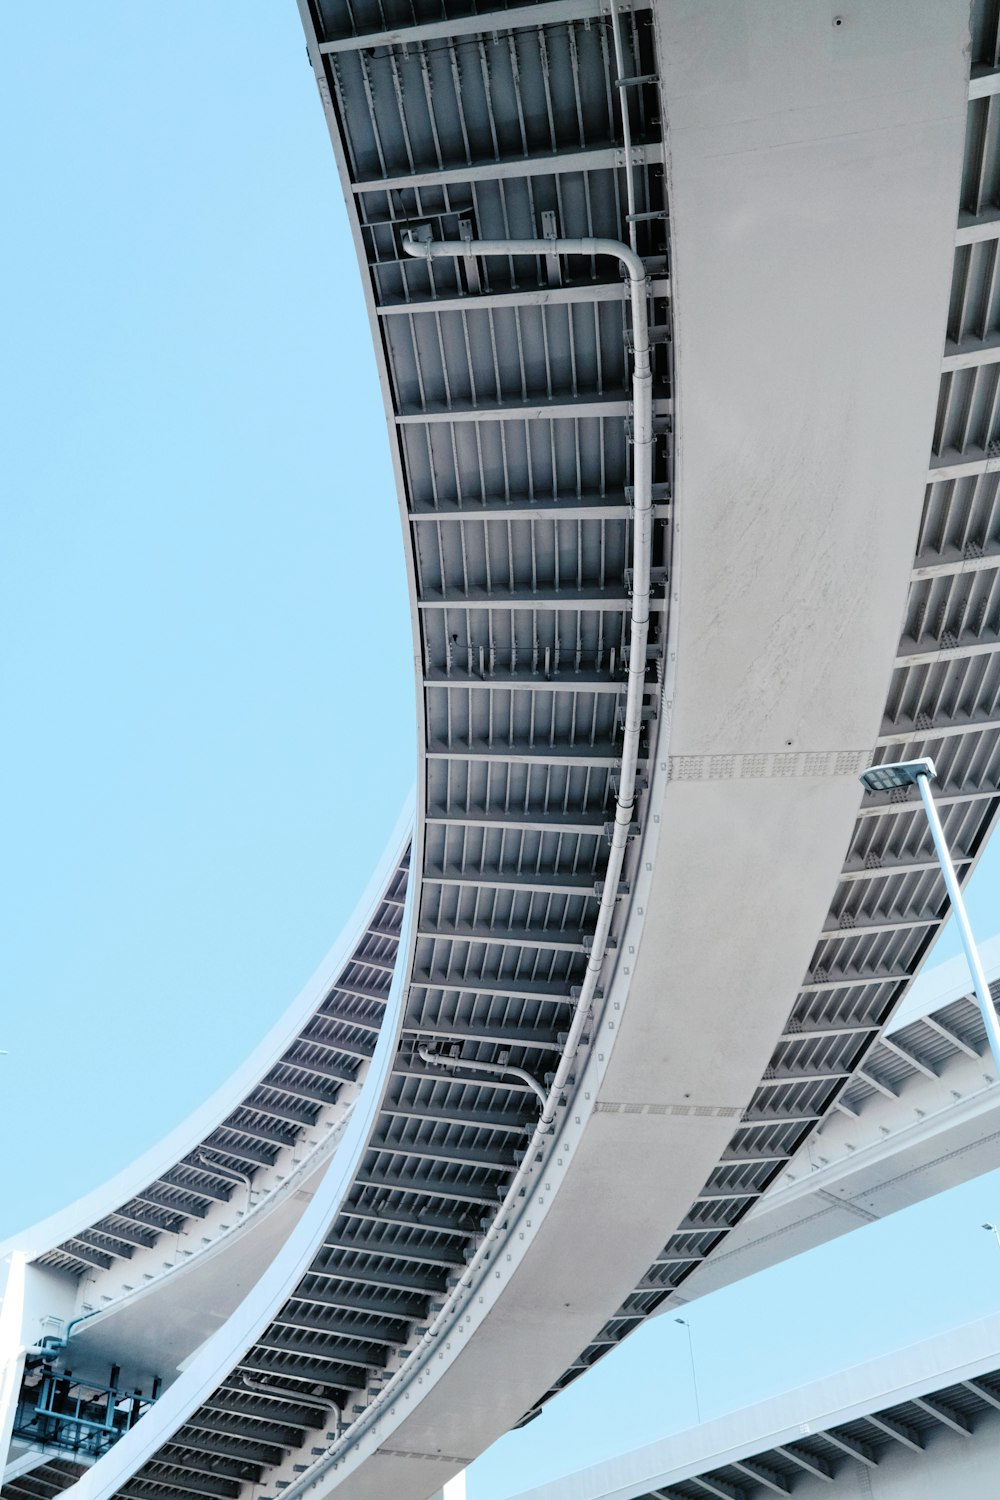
x,y
980,982
215,1361
642,477
230,1172
642,473
457,1063
616,33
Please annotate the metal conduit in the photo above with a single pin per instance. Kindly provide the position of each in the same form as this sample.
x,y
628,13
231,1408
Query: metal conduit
x,y
626,114
642,470
456,1064
230,1173
642,473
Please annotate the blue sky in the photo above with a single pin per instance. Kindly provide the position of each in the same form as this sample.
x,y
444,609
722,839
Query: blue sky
x,y
207,675
206,678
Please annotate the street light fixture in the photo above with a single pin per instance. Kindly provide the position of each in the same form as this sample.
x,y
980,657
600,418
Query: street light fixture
x,y
895,774
890,777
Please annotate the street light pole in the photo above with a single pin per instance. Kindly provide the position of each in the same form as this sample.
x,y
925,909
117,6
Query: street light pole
x,y
905,773
694,1373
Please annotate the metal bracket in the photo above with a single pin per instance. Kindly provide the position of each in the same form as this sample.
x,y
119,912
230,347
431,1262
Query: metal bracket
x,y
659,333
471,264
648,715
662,427
657,579
654,652
550,231
660,495
609,947
633,831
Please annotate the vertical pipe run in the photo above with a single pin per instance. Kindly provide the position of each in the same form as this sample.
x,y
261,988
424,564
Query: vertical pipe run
x,y
986,1006
642,477
623,104
642,539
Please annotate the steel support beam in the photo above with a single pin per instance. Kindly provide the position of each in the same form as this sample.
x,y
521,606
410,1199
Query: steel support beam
x,y
386,1249
523,508
839,979
599,159
954,798
853,1448
817,1467
511,937
558,882
535,682
582,823
344,1300
866,925
946,1415
531,409
515,989
545,1038
929,650
592,755
897,1430
428,1187
769,1478
480,23
586,600
952,1036
951,562
527,296
908,867
939,729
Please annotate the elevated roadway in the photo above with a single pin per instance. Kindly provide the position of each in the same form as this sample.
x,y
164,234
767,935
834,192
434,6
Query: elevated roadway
x,y
144,1267
920,1116
916,1424
442,1244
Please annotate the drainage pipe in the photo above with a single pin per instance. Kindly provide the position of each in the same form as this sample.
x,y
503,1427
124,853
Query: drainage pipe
x,y
623,87
456,1064
642,472
642,532
228,1172
53,1344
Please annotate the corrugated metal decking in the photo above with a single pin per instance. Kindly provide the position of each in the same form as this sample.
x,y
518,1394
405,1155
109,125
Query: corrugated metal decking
x,y
507,380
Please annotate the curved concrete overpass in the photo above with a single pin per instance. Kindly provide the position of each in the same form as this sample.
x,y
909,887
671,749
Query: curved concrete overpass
x,y
787,470
915,1424
265,1131
142,1269
921,1115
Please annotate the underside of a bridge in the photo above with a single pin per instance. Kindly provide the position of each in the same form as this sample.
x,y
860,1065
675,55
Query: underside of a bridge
x,y
422,1258
915,1424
